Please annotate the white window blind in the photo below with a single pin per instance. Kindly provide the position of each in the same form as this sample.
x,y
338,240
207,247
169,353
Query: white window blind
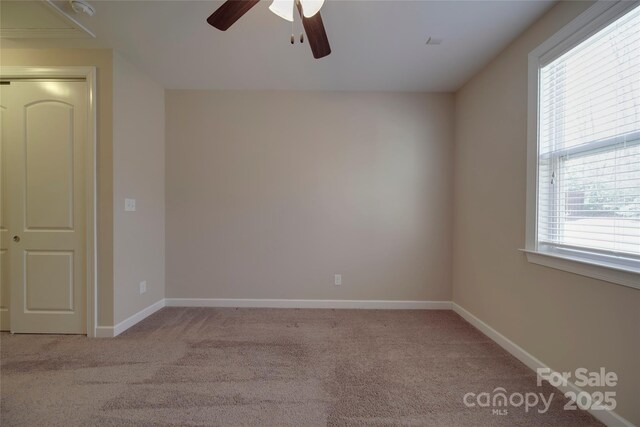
x,y
589,145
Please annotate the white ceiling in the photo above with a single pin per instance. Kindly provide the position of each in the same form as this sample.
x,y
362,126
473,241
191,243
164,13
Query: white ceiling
x,y
377,45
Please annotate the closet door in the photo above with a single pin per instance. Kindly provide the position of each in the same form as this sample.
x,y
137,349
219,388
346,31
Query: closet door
x,y
44,133
4,231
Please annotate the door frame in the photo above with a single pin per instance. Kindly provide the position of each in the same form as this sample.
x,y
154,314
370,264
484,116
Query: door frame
x,y
89,75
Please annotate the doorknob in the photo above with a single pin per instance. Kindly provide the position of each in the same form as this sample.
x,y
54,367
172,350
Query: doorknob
x,y
16,239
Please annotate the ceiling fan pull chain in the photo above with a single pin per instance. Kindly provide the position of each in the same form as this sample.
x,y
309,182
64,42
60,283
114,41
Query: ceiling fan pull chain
x,y
301,31
293,39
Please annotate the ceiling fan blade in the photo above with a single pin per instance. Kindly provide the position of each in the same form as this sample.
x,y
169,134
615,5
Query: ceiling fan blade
x,y
230,11
316,34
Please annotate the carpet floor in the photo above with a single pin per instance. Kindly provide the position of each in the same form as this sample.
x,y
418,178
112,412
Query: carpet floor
x,y
270,367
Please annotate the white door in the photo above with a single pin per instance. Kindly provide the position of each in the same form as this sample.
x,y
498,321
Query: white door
x,y
43,235
4,231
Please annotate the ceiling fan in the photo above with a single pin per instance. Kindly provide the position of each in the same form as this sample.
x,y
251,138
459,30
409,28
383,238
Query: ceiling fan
x,y
232,10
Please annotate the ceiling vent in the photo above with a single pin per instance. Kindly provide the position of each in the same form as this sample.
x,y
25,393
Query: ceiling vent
x,y
81,6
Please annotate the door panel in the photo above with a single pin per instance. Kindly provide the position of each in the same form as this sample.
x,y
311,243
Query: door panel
x,y
49,165
44,135
49,281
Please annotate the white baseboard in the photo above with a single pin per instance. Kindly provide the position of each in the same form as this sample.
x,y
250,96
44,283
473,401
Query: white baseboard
x,y
306,303
114,331
104,332
610,418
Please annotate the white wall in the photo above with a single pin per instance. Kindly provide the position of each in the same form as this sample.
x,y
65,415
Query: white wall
x,y
566,321
269,194
138,165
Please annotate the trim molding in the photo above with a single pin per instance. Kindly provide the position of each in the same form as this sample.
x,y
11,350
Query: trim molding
x,y
104,332
139,316
587,268
308,303
610,418
54,33
114,331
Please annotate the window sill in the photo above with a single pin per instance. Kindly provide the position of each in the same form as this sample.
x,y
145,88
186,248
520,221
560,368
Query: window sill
x,y
625,276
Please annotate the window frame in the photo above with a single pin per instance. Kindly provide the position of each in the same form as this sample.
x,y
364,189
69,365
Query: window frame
x,y
583,261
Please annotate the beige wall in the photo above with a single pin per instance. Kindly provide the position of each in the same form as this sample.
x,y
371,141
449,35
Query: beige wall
x,y
138,163
566,321
269,194
102,60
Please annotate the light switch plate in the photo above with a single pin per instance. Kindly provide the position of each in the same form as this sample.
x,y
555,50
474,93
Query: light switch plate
x,y
143,287
130,205
337,279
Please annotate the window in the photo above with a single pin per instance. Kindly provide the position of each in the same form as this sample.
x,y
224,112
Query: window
x,y
585,163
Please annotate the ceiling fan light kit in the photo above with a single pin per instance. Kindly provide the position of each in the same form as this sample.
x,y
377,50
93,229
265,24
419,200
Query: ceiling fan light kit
x,y
311,7
309,10
284,8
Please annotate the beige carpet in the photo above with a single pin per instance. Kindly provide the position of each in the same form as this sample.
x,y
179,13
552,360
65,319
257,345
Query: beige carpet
x,y
200,366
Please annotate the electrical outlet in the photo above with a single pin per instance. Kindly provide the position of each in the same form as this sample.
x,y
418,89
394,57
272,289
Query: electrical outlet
x,y
337,279
143,287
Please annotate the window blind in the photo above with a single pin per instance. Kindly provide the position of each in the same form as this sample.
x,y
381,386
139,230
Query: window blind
x,y
589,144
